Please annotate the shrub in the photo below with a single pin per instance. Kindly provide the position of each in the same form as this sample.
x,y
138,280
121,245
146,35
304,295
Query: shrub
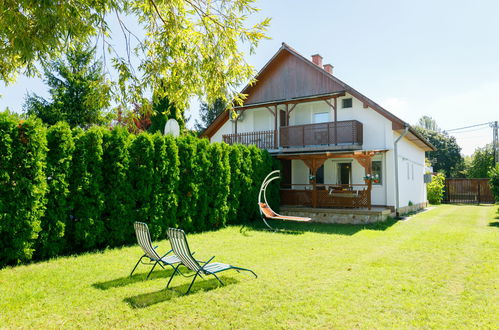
x,y
435,189
494,181
202,176
23,148
141,174
51,240
218,186
86,228
188,188
117,188
238,182
165,185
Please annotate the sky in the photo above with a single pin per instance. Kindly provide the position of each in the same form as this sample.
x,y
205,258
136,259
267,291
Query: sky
x,y
436,58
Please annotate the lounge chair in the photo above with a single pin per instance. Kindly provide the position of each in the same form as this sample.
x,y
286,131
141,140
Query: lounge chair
x,y
265,211
181,249
144,240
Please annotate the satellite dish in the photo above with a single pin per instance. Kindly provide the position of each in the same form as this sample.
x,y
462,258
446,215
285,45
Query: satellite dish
x,y
171,127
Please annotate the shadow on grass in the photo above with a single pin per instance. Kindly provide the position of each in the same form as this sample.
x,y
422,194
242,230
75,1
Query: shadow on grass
x,y
127,280
299,228
152,298
494,224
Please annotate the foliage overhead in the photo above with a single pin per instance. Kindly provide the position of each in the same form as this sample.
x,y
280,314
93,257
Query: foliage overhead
x,y
447,157
185,48
78,89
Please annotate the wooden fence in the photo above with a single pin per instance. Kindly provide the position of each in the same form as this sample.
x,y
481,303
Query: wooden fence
x,y
468,191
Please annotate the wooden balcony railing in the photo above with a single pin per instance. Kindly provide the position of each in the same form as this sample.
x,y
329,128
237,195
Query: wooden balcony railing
x,y
332,133
262,139
327,195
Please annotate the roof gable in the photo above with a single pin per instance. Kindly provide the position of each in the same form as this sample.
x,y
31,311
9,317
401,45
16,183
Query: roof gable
x,y
287,76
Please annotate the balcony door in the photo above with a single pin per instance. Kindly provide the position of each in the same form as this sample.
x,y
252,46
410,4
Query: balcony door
x,y
344,173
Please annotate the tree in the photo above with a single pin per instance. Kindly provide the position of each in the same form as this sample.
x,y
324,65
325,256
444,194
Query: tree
x,y
195,47
163,110
208,113
79,91
482,161
428,123
447,157
494,181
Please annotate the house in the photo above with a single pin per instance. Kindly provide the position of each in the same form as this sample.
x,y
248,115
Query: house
x,y
338,148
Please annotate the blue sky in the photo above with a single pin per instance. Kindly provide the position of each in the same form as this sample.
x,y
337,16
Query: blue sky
x,y
437,58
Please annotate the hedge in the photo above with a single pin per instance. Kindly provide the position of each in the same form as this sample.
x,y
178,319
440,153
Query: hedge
x,y
66,191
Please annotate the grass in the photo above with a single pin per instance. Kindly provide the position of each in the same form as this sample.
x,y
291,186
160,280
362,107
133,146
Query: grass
x,y
437,269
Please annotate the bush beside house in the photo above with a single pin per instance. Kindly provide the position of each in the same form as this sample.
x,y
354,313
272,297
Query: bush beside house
x,y
68,191
435,189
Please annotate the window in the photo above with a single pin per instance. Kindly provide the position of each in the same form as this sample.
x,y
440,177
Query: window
x,y
322,117
319,178
346,103
377,171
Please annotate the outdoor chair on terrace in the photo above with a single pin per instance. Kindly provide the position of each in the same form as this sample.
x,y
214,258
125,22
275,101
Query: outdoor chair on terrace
x,y
180,247
144,240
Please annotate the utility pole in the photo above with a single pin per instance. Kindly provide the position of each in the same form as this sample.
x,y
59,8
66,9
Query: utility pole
x,y
495,141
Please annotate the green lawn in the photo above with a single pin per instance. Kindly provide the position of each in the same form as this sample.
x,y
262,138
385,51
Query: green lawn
x,y
436,269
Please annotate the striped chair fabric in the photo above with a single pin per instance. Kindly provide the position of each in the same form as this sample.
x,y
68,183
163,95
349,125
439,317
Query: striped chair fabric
x,y
180,247
144,240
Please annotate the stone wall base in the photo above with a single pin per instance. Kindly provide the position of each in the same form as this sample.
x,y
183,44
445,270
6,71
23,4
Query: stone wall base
x,y
412,208
342,216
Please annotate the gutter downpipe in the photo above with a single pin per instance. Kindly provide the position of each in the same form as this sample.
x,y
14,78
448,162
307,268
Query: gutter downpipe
x,y
395,149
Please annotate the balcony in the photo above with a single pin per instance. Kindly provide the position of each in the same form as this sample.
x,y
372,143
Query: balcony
x,y
262,139
332,136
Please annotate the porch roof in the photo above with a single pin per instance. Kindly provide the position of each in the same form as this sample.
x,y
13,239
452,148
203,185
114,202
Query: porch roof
x,y
330,154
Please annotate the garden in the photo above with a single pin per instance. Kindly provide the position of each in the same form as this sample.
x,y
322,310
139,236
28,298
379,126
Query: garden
x,y
435,269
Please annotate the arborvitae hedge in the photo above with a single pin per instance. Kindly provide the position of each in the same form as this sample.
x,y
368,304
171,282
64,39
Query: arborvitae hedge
x,y
23,185
64,191
87,229
117,188
51,240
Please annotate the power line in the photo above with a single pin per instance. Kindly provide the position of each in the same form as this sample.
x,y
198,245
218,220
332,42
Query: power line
x,y
460,128
471,130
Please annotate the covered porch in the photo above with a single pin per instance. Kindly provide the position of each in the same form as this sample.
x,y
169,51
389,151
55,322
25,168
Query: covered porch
x,y
306,183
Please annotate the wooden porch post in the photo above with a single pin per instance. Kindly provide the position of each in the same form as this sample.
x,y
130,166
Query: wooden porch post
x,y
275,127
314,164
365,159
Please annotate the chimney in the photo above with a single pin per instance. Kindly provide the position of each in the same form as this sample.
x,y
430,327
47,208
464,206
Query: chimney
x,y
328,68
317,60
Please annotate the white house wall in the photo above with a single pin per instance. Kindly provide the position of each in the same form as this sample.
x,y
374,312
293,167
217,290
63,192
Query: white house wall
x,y
411,161
377,135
